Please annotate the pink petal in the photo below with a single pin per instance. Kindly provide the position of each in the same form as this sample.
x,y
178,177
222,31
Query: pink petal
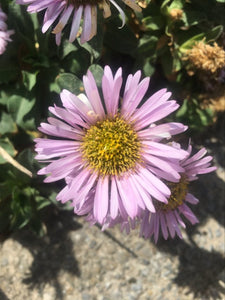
x,y
75,23
191,199
144,195
69,117
156,228
72,102
170,225
163,150
111,89
162,131
51,14
101,199
155,115
127,198
92,93
131,102
168,167
185,210
114,205
149,178
86,32
195,157
154,101
163,226
63,19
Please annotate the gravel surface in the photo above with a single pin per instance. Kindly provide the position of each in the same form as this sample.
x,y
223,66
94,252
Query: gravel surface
x,y
77,262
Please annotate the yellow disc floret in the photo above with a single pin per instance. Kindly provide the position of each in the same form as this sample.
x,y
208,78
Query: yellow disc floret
x,y
111,147
177,197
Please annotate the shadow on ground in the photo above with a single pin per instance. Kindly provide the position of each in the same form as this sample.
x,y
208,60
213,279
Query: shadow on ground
x,y
53,253
3,296
200,270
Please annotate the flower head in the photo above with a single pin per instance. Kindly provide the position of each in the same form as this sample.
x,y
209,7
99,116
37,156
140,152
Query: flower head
x,y
109,150
205,57
62,10
4,33
176,14
168,216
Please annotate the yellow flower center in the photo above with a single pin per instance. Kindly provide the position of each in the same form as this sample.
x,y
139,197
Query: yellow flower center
x,y
178,193
111,147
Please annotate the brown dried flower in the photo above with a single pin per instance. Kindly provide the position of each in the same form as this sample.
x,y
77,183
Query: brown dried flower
x,y
206,57
176,13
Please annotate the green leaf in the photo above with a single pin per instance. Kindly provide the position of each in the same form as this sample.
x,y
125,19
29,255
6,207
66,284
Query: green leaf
x,y
29,79
21,206
8,147
148,68
41,202
164,7
210,36
67,48
26,159
177,4
76,62
191,18
70,82
147,45
213,34
20,107
191,114
183,109
7,124
97,72
205,116
153,22
3,98
25,205
191,42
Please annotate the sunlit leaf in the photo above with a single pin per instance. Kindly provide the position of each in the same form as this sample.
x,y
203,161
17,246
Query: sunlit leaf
x,y
6,123
70,82
20,109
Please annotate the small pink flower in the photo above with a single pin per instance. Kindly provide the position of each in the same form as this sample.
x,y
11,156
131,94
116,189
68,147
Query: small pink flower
x,y
64,9
109,150
168,216
4,33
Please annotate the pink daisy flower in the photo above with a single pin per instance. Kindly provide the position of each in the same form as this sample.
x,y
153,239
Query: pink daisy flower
x,y
4,33
109,150
62,10
168,216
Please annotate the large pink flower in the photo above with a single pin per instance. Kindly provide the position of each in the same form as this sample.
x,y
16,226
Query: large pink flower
x,y
168,216
4,32
64,9
109,149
